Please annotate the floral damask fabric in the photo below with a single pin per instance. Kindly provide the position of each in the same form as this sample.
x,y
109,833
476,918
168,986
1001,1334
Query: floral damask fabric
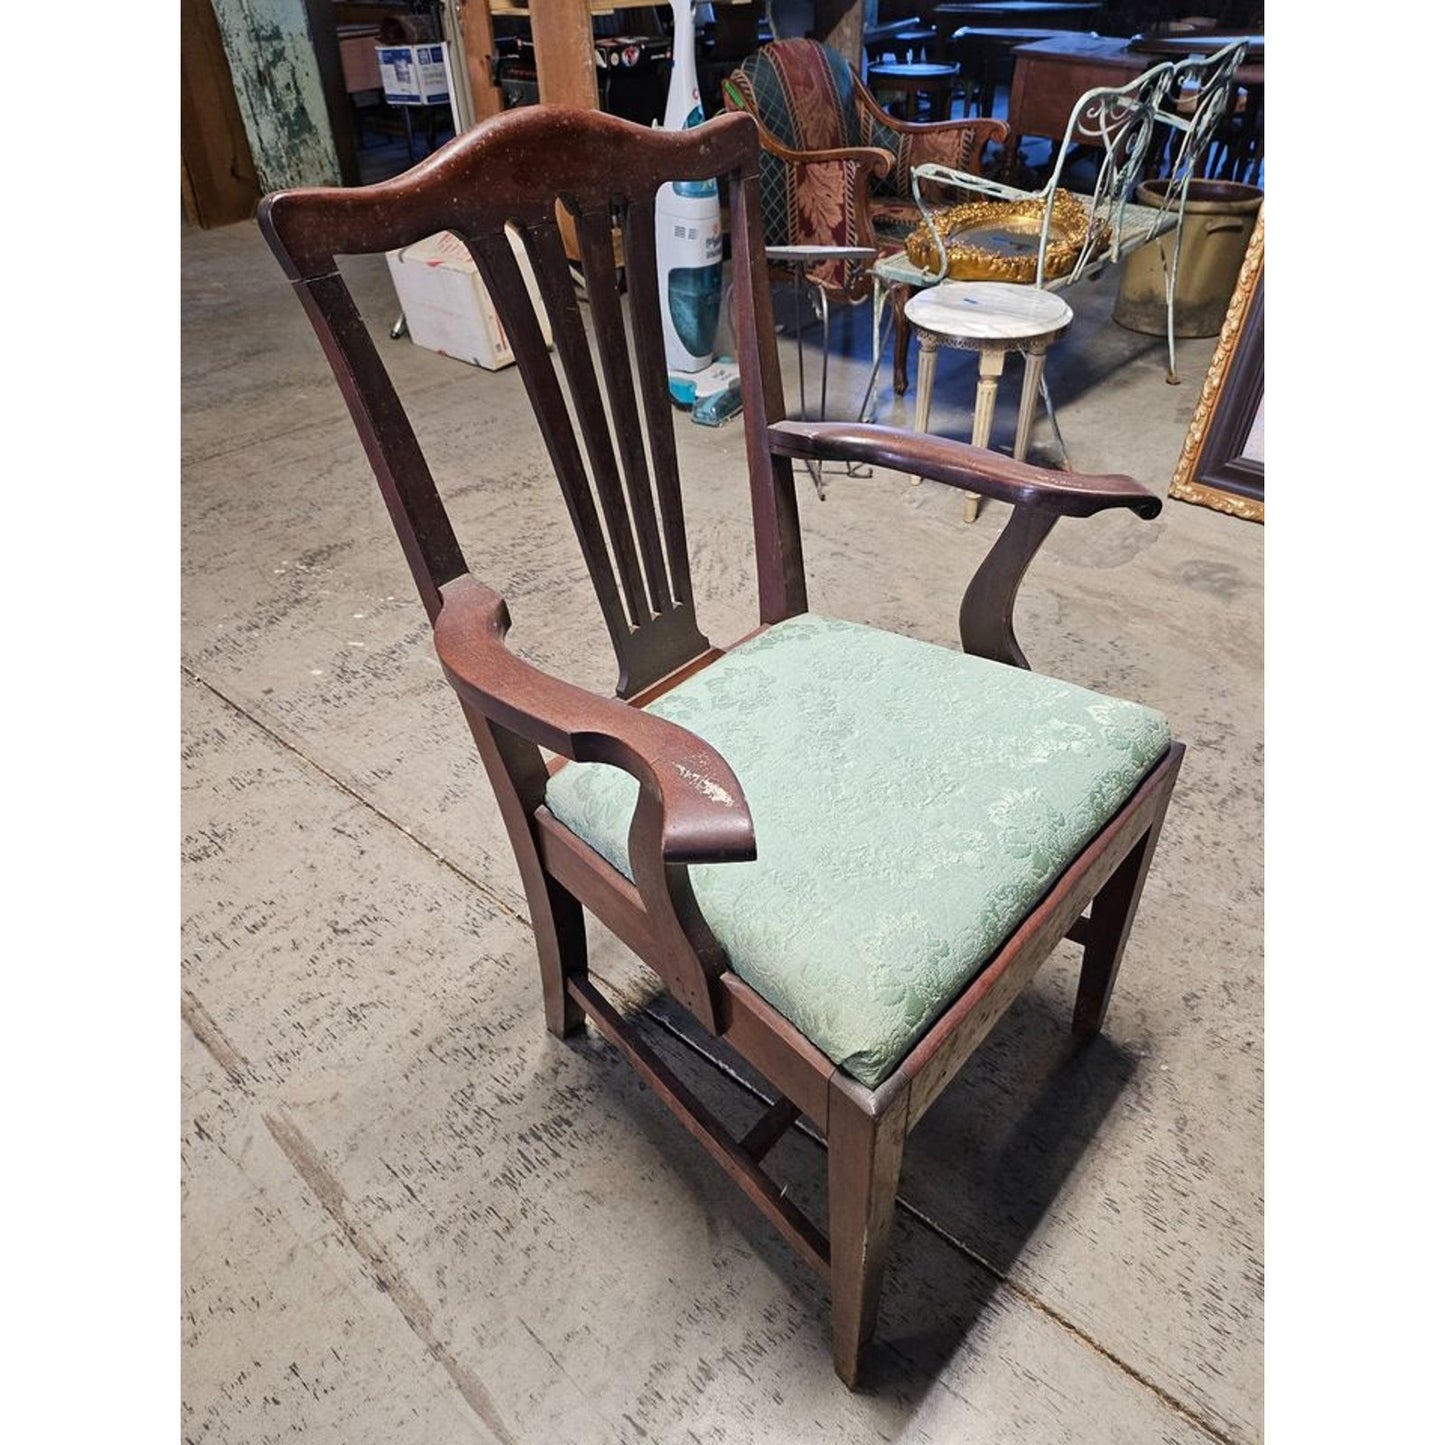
x,y
911,804
955,146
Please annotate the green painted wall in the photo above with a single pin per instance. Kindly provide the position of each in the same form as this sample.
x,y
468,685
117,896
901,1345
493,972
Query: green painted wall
x,y
278,88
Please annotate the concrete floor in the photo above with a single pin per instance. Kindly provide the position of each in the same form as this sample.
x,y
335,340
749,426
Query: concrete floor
x,y
412,1216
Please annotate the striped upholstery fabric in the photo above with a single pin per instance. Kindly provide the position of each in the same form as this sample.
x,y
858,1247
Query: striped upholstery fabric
x,y
808,98
801,94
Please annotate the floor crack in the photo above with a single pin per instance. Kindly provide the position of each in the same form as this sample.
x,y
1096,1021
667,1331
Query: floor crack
x,y
490,894
326,1187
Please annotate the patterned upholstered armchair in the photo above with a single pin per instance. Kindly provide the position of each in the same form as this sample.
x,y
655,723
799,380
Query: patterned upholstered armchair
x,y
836,166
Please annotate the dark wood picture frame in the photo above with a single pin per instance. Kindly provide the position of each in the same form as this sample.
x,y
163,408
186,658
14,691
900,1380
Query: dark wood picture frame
x,y
1213,469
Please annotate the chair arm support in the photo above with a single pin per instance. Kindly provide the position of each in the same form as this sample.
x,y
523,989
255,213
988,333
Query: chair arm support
x,y
1065,494
949,176
988,128
704,815
871,160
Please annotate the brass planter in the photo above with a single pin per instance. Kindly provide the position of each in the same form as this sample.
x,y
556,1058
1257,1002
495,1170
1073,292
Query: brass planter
x,y
1218,218
999,240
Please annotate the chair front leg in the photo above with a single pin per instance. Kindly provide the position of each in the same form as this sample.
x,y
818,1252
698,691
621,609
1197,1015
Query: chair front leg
x,y
1111,917
865,1153
519,780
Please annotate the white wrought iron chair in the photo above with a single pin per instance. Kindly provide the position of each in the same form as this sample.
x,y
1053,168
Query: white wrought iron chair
x,y
1078,234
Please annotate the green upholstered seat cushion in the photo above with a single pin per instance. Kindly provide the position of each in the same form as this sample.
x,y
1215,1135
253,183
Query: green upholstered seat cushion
x,y
911,804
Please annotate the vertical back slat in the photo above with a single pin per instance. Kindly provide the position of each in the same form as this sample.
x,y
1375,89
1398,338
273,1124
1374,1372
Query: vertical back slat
x,y
639,242
594,234
570,338
503,277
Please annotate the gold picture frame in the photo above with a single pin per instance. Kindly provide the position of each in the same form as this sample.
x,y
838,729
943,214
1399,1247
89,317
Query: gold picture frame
x,y
1220,467
999,240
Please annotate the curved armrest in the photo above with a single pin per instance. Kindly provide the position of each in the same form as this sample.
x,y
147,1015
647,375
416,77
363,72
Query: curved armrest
x,y
1065,494
705,818
993,130
871,160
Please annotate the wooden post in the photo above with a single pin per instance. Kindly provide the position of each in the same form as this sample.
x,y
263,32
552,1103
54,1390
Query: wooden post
x,y
479,43
218,176
566,68
839,25
566,72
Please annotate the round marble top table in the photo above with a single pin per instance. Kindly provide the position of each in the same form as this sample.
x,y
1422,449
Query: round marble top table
x,y
991,318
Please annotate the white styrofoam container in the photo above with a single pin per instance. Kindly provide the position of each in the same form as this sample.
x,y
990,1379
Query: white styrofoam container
x,y
447,307
414,74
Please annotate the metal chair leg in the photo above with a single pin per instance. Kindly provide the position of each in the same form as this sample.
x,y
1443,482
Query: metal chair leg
x,y
1054,422
879,336
1171,273
798,339
821,302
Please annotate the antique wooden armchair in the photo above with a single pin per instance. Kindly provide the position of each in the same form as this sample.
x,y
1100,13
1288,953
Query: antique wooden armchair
x,y
872,944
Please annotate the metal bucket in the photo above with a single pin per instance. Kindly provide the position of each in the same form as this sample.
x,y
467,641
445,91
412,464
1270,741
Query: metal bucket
x,y
1218,220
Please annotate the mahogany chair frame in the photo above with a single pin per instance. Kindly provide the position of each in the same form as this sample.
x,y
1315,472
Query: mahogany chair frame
x,y
512,170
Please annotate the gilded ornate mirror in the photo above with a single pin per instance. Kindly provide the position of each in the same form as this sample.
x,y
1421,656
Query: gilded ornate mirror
x,y
1222,465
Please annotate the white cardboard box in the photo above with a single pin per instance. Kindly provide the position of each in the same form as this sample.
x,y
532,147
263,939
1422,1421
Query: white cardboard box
x,y
447,307
414,74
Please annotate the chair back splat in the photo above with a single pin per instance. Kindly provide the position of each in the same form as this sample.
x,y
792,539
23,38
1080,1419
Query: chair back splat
x,y
617,466
899,904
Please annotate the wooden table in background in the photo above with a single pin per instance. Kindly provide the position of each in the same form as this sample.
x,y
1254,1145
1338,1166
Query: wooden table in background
x,y
984,54
1050,14
1050,75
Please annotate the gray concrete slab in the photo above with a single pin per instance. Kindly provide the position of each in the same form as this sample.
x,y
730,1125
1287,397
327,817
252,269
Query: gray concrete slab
x,y
403,1216
1095,1223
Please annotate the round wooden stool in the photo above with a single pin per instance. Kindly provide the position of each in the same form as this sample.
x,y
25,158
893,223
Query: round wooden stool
x,y
991,318
929,79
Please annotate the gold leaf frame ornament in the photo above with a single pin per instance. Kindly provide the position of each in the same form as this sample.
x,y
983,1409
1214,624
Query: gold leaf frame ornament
x,y
1212,470
969,261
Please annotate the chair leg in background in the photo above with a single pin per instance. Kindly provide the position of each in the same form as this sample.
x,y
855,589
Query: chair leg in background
x,y
821,306
1171,275
1054,421
1028,403
990,368
1110,919
561,935
865,1153
923,398
902,335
